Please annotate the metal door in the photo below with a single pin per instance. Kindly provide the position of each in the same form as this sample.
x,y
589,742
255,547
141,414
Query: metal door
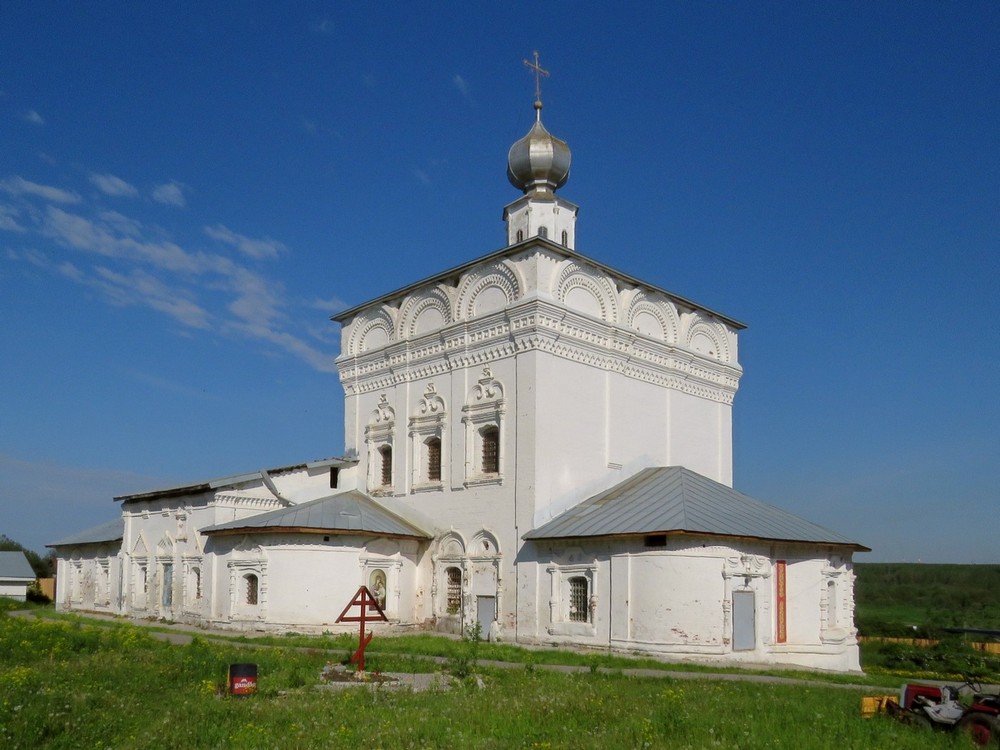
x,y
486,608
744,626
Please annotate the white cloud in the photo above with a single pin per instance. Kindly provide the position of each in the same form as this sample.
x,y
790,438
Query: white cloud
x,y
461,84
111,185
33,117
8,219
142,268
331,305
260,249
422,176
15,185
170,194
323,26
140,288
123,224
102,238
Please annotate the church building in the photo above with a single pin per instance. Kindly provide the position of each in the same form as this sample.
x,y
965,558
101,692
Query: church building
x,y
536,444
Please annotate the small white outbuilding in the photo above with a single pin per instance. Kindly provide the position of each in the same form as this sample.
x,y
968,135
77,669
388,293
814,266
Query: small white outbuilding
x,y
16,575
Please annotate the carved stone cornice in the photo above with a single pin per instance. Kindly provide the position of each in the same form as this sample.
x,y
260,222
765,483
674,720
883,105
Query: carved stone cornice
x,y
541,325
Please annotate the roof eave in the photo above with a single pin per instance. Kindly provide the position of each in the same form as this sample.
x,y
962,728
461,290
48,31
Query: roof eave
x,y
519,247
854,546
248,530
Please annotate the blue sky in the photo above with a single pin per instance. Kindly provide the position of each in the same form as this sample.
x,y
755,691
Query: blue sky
x,y
189,190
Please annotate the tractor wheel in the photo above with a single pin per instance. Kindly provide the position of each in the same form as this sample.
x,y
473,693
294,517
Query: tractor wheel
x,y
983,729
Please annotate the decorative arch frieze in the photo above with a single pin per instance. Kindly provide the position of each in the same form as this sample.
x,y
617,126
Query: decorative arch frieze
x,y
707,338
571,278
373,330
424,312
488,288
646,312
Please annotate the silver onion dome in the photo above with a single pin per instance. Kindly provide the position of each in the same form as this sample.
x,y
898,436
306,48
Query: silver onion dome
x,y
539,162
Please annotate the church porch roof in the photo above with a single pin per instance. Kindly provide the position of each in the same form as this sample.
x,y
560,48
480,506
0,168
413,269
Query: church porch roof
x,y
111,531
676,500
350,512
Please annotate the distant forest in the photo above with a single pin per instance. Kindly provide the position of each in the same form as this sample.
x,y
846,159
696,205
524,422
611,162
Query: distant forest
x,y
919,600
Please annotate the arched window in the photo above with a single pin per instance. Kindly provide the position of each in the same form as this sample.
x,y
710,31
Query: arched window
x,y
434,459
252,584
454,590
491,449
520,235
543,232
385,459
565,237
579,599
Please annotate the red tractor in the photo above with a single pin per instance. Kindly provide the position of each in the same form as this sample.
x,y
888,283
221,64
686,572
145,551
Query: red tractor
x,y
963,707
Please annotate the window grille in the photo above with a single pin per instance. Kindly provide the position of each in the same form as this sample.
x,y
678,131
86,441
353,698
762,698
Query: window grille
x,y
386,453
454,590
579,609
434,460
491,450
252,588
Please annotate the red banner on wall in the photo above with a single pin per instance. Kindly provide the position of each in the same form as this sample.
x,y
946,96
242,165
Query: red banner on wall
x,y
779,577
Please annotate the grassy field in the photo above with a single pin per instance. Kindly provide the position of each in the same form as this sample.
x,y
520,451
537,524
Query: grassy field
x,y
65,684
913,599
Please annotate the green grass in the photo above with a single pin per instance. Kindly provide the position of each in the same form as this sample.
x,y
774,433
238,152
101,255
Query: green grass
x,y
66,684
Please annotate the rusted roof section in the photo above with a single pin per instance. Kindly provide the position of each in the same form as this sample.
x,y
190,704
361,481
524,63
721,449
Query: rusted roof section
x,y
675,499
112,531
350,512
233,480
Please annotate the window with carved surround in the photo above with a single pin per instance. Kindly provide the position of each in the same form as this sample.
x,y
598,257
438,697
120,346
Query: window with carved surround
x,y
454,593
572,596
427,439
483,417
192,582
379,440
836,602
247,587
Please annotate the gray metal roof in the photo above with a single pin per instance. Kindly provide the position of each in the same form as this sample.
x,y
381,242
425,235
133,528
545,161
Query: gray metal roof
x,y
112,531
676,499
232,480
347,512
15,566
